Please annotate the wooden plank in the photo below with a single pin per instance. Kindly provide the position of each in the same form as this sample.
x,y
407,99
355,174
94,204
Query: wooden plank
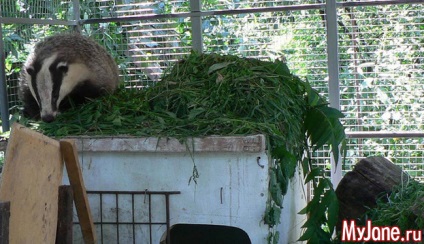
x,y
70,156
65,215
245,144
32,174
4,222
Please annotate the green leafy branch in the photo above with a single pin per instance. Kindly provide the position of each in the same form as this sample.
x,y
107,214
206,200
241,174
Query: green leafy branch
x,y
323,127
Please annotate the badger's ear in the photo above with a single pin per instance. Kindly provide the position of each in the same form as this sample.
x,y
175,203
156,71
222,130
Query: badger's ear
x,y
62,66
29,70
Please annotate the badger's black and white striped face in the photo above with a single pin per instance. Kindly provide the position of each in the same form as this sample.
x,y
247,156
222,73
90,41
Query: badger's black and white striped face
x,y
51,80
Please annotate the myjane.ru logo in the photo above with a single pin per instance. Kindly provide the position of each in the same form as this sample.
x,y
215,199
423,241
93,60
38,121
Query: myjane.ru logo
x,y
353,233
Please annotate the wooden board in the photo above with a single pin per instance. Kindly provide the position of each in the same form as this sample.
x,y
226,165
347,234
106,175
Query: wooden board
x,y
70,156
32,174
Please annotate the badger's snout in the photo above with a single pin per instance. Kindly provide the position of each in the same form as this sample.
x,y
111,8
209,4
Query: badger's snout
x,y
48,118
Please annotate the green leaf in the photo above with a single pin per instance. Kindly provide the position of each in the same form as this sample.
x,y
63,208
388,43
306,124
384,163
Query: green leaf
x,y
276,214
8,66
331,112
312,219
318,127
171,114
323,184
333,209
308,234
322,126
314,173
281,68
160,120
273,215
322,237
304,210
275,189
288,161
218,66
305,166
117,121
195,112
282,180
313,97
276,237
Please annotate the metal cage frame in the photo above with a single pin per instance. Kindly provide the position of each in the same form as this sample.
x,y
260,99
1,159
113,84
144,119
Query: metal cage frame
x,y
133,223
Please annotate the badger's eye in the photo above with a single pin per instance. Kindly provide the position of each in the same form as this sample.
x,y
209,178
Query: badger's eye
x,y
62,67
30,70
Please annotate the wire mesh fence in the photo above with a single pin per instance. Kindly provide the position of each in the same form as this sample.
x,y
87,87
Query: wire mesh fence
x,y
224,5
55,9
407,153
143,50
381,67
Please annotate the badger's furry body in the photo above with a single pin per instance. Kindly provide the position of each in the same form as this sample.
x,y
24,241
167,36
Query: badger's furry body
x,y
63,67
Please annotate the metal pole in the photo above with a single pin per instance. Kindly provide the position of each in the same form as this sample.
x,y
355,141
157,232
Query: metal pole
x,y
196,25
385,134
333,75
77,15
4,103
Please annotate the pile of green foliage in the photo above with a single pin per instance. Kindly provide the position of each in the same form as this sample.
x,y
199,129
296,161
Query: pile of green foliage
x,y
404,208
201,95
210,94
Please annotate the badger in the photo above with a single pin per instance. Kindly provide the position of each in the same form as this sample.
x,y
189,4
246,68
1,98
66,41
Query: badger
x,y
64,69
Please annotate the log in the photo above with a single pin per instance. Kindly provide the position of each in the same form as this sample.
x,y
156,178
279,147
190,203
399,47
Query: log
x,y
360,188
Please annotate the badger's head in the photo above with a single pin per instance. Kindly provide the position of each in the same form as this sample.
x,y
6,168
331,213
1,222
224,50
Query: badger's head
x,y
50,80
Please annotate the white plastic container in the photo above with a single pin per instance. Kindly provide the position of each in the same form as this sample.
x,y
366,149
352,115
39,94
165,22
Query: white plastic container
x,y
231,188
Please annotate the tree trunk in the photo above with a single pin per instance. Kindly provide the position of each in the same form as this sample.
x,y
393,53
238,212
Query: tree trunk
x,y
360,188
